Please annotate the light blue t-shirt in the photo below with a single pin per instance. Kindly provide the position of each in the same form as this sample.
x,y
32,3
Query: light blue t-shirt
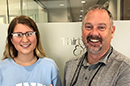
x,y
42,73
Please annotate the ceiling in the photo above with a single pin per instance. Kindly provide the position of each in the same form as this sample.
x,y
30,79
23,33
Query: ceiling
x,y
73,6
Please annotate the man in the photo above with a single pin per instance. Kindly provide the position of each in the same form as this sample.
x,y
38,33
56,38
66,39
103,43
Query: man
x,y
101,65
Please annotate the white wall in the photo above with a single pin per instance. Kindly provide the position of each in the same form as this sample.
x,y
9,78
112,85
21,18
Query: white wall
x,y
58,40
3,33
121,40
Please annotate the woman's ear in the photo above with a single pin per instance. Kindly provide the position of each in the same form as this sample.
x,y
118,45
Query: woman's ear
x,y
11,39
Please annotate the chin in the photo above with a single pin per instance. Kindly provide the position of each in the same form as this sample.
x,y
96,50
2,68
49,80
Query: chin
x,y
94,49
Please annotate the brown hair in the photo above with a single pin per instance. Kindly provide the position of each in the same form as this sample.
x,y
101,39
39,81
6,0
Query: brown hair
x,y
10,51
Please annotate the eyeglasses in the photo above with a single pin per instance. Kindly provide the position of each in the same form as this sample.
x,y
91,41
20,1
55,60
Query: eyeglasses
x,y
20,34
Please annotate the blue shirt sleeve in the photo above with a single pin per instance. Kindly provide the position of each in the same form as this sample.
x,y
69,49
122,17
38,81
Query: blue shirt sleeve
x,y
56,81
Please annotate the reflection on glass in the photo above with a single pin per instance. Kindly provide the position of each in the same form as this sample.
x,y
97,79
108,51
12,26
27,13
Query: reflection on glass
x,y
47,11
3,11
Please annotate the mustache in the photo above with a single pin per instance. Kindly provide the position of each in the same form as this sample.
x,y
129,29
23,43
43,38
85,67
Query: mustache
x,y
94,37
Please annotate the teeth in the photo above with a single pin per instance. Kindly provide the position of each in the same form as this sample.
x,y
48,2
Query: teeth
x,y
25,45
94,40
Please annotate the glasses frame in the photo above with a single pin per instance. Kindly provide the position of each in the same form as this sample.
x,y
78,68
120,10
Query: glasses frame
x,y
21,34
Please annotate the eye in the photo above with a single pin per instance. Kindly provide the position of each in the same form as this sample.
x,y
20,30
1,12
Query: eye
x,y
101,28
88,27
29,33
17,34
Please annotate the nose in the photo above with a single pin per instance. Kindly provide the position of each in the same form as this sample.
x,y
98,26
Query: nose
x,y
24,38
94,31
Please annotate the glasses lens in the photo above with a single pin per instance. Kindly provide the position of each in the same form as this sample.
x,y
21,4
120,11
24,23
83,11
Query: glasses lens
x,y
17,34
29,33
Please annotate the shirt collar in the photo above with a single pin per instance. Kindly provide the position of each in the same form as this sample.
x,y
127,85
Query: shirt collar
x,y
103,60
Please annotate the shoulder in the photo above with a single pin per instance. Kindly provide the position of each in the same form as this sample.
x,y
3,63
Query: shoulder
x,y
72,63
120,58
48,62
6,64
73,60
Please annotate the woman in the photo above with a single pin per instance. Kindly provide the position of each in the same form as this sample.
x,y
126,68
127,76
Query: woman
x,y
24,62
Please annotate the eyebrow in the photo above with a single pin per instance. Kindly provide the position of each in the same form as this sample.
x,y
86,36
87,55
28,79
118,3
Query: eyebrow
x,y
87,23
97,24
22,32
102,24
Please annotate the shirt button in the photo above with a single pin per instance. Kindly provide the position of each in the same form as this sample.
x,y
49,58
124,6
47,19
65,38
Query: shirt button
x,y
85,78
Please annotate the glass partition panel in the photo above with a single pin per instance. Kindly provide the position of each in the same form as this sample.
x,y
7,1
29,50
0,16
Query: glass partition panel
x,y
14,9
46,11
74,10
3,12
34,11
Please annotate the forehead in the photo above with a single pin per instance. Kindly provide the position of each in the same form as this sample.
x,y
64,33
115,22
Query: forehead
x,y
97,16
22,28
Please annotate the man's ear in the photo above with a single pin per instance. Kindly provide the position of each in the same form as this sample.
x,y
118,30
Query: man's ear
x,y
112,31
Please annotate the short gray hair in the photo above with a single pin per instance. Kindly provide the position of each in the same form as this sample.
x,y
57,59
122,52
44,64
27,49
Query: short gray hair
x,y
100,7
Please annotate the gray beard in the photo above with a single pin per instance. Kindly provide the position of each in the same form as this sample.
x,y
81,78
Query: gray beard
x,y
93,50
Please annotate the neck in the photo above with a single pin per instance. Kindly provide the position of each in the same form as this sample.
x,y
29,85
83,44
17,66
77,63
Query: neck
x,y
25,60
93,58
